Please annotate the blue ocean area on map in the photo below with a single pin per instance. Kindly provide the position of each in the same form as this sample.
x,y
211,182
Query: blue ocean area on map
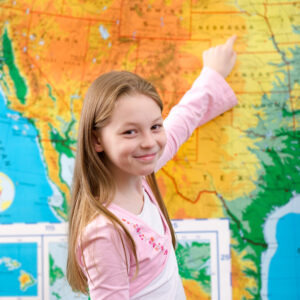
x,y
26,255
22,163
284,276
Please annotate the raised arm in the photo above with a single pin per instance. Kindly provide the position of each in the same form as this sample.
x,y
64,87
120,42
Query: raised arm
x,y
209,97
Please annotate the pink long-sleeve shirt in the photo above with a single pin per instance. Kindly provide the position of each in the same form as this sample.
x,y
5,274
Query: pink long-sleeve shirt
x,y
110,264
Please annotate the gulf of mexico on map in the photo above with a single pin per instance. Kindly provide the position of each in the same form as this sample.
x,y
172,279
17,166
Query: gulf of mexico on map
x,y
243,166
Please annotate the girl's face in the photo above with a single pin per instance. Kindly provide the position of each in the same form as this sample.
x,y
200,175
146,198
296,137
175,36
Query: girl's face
x,y
134,138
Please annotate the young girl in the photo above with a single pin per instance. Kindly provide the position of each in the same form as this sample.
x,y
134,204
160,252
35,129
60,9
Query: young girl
x,y
121,241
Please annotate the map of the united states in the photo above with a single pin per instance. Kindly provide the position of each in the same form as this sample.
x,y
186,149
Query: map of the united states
x,y
243,166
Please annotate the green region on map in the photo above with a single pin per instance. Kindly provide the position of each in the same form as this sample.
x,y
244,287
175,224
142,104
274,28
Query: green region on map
x,y
194,262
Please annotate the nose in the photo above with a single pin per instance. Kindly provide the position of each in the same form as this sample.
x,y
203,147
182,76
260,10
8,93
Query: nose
x,y
148,140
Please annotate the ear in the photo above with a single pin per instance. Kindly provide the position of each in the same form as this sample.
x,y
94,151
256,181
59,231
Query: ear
x,y
96,141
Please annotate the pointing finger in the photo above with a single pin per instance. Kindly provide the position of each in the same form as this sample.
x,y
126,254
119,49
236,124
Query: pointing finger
x,y
229,43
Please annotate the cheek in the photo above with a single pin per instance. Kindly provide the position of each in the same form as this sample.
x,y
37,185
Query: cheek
x,y
127,147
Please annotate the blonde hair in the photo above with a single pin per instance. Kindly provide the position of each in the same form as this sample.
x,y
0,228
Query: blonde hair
x,y
93,187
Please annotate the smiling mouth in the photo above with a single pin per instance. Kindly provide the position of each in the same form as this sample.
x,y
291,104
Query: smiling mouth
x,y
146,157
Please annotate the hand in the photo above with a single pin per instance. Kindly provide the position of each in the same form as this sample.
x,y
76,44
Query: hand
x,y
221,58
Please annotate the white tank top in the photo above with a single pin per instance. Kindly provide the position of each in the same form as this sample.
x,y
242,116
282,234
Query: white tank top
x,y
167,285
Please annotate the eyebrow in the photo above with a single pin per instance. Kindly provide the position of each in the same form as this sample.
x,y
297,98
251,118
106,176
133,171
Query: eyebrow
x,y
133,123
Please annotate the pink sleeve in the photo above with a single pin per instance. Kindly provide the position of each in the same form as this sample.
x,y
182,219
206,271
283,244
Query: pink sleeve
x,y
209,97
105,261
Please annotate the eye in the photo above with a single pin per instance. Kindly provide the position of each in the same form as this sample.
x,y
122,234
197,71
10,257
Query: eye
x,y
129,132
156,127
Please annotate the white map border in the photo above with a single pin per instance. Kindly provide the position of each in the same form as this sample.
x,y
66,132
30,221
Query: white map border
x,y
218,233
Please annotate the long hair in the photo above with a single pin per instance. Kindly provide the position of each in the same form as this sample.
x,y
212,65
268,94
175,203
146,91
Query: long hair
x,y
93,187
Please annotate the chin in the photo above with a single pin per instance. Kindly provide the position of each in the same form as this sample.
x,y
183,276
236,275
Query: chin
x,y
146,172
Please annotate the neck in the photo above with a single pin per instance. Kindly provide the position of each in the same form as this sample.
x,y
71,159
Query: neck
x,y
129,184
129,193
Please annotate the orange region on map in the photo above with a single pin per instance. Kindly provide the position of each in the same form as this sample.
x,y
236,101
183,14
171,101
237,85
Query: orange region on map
x,y
170,23
26,280
194,291
240,282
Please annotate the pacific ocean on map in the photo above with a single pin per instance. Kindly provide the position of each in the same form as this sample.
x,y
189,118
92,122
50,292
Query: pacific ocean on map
x,y
22,279
21,162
